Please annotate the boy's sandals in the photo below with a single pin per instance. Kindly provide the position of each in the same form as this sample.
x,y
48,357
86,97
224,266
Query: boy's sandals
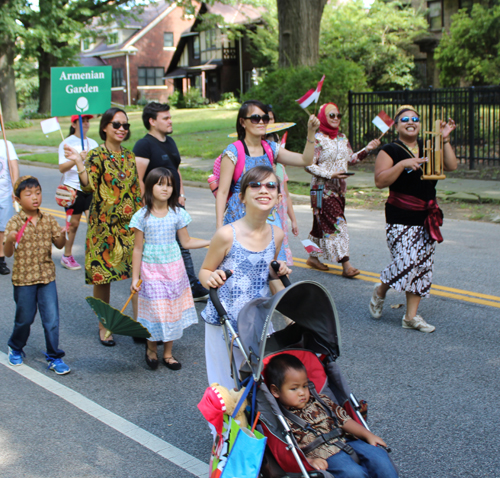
x,y
172,363
316,264
352,272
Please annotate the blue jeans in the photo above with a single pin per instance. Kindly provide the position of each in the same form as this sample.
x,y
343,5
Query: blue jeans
x,y
28,299
374,462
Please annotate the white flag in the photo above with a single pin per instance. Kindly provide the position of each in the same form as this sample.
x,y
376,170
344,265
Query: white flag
x,y
50,125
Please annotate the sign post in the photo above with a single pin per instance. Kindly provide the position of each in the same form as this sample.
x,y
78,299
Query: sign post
x,y
80,90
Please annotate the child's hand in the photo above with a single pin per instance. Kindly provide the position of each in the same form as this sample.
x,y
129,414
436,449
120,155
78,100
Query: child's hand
x,y
318,463
217,278
375,440
11,237
134,287
295,228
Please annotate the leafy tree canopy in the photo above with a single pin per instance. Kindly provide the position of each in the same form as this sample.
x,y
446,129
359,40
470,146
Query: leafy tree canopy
x,y
470,53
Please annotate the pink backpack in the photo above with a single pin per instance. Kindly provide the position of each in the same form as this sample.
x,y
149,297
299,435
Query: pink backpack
x,y
213,179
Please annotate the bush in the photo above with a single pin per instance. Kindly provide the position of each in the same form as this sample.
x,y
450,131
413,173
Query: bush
x,y
228,100
176,99
193,99
282,87
18,124
142,101
30,111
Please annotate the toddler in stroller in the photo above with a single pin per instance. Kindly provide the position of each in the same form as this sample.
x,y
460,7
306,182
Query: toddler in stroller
x,y
318,425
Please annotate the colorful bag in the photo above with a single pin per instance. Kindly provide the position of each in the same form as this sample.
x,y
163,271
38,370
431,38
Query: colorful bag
x,y
213,179
65,195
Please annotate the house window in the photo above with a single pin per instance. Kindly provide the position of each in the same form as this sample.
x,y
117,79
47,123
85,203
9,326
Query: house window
x,y
117,78
86,44
435,15
168,39
211,39
196,47
151,76
113,38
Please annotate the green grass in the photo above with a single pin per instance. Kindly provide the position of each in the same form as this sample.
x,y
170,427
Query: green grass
x,y
50,158
197,132
192,174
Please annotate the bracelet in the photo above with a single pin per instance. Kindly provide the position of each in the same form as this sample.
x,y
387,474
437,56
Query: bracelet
x,y
446,141
309,141
182,196
80,172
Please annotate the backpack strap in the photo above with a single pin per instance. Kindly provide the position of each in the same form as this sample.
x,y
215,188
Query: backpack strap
x,y
268,151
240,163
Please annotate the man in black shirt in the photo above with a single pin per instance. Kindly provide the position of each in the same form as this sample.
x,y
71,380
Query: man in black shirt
x,y
157,150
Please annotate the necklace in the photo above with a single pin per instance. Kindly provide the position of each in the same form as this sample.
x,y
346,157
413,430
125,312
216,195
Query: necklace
x,y
112,156
412,149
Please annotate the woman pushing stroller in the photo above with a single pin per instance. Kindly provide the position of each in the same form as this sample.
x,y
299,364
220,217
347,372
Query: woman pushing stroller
x,y
246,247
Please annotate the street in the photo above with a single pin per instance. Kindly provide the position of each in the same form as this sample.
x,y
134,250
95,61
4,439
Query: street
x,y
432,397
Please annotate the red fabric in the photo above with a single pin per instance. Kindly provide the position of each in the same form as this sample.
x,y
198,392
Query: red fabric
x,y
434,219
212,407
324,127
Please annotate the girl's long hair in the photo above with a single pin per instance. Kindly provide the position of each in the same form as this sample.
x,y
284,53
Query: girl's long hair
x,y
155,176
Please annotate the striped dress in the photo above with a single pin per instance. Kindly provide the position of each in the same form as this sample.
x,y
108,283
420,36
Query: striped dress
x,y
166,304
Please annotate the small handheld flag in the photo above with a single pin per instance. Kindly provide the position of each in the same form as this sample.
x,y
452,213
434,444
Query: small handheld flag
x,y
19,235
50,125
69,213
310,246
283,139
383,122
312,95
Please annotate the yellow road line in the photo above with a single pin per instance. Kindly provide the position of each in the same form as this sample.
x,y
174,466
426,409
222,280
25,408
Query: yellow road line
x,y
442,291
60,213
439,290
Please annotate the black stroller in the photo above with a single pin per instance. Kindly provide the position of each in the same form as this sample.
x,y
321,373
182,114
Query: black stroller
x,y
301,320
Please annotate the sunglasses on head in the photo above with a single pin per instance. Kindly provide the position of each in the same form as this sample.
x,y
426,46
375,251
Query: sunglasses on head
x,y
255,119
116,125
271,185
405,119
335,115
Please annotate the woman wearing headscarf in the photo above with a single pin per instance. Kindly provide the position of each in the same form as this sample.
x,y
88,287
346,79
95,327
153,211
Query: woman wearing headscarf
x,y
412,216
332,155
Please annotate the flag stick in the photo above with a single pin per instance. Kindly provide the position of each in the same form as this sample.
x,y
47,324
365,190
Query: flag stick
x,y
383,134
60,130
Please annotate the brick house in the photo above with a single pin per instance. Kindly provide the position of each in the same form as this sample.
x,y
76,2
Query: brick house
x,y
212,61
439,17
139,50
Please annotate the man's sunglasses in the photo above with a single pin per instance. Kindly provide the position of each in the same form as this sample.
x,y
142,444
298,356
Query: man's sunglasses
x,y
116,125
334,115
270,186
255,119
405,119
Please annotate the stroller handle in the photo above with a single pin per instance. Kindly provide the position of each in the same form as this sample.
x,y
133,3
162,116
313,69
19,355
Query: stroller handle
x,y
214,297
284,279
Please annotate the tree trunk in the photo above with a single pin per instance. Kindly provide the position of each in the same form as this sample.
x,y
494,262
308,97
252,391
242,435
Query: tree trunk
x,y
299,23
45,61
8,81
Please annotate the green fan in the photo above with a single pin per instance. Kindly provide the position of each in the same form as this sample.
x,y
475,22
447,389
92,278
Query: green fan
x,y
115,321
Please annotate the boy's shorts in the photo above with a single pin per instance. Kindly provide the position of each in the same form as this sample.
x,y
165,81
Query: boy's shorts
x,y
82,202
6,211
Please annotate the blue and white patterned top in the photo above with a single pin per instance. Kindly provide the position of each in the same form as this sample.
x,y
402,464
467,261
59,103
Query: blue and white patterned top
x,y
250,280
160,246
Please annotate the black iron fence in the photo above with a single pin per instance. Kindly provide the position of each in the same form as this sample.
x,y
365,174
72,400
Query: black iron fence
x,y
476,110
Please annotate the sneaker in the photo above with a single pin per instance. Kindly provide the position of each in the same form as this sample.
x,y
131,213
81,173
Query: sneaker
x,y
376,303
15,357
70,263
4,270
418,323
58,366
199,292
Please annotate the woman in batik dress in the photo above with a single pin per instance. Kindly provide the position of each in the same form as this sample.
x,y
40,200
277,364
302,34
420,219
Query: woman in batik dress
x,y
412,216
110,174
332,155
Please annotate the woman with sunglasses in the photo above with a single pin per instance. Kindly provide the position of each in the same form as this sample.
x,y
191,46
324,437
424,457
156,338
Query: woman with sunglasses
x,y
110,174
251,127
412,216
332,155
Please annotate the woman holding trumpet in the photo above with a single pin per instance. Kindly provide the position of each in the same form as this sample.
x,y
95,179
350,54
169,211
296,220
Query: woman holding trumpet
x,y
412,215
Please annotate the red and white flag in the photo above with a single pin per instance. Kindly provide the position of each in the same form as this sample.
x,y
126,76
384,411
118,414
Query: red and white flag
x,y
383,121
283,139
310,246
312,95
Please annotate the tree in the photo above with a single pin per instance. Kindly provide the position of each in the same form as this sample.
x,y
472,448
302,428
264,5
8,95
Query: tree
x,y
379,39
470,53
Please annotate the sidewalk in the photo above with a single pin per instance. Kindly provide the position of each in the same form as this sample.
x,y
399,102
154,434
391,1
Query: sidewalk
x,y
471,189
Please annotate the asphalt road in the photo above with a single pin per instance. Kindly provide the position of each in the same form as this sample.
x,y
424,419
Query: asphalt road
x,y
433,398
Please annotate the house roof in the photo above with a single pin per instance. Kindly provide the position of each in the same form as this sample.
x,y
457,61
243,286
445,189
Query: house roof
x,y
142,23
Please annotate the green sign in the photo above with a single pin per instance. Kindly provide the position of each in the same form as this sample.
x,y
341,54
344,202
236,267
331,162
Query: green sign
x,y
80,90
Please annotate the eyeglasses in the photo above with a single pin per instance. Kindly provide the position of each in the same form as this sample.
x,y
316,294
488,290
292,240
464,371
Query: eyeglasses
x,y
116,125
405,119
270,186
255,119
334,116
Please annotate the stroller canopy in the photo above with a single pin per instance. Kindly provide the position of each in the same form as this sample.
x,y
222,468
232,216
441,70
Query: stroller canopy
x,y
312,309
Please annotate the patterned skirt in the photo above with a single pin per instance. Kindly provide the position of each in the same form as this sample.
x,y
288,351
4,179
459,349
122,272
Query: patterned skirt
x,y
166,305
412,265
